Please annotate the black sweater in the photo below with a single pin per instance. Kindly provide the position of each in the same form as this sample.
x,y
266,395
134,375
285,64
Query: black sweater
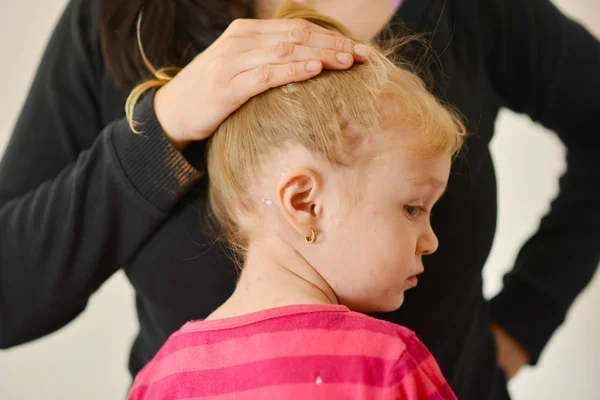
x,y
82,196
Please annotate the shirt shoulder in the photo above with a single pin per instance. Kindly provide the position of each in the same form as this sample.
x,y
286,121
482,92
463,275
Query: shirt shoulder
x,y
282,351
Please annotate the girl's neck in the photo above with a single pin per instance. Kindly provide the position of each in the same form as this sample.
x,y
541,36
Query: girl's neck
x,y
266,282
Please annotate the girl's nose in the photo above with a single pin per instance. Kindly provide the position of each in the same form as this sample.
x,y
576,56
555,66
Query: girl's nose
x,y
428,243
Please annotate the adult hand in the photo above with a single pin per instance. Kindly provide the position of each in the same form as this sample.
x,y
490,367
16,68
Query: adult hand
x,y
511,356
250,57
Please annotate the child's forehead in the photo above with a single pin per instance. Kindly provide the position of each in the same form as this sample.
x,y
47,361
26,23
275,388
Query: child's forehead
x,y
389,136
395,155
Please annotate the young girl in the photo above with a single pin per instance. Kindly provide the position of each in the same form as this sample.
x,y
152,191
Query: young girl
x,y
324,189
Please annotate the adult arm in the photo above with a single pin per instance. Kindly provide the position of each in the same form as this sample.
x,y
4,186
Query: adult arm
x,y
545,65
76,200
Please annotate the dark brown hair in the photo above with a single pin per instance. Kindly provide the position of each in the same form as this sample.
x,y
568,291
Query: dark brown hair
x,y
173,32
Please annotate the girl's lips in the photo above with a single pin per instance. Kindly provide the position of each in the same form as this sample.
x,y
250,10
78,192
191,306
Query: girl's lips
x,y
412,281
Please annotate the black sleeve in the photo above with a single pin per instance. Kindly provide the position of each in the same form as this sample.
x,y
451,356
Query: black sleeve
x,y
544,64
71,214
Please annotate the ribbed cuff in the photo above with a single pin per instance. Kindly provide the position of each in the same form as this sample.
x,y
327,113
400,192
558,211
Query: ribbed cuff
x,y
157,170
527,315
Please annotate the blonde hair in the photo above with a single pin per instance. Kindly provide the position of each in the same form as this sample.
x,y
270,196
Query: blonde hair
x,y
314,114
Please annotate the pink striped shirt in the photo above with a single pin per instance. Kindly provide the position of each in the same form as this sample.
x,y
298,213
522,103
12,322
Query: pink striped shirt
x,y
293,352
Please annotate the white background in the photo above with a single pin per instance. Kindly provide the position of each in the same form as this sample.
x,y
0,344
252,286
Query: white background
x,y
88,358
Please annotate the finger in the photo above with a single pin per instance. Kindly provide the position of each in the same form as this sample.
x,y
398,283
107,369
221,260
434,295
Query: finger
x,y
262,26
314,39
283,53
302,32
265,77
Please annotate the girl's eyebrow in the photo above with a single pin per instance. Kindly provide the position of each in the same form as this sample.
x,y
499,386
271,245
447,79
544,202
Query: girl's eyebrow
x,y
431,181
434,183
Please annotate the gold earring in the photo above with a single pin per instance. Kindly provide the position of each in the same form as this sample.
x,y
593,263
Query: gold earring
x,y
312,238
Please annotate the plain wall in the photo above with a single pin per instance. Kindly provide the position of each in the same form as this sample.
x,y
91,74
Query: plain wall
x,y
88,358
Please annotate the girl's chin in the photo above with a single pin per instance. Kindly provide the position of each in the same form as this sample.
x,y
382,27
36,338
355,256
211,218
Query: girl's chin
x,y
390,305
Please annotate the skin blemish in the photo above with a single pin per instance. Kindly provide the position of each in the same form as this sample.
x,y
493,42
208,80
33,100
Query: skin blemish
x,y
318,381
284,171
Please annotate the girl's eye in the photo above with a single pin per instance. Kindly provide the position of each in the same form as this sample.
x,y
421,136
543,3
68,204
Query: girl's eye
x,y
413,211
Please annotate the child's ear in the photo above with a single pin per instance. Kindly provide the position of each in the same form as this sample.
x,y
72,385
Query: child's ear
x,y
299,197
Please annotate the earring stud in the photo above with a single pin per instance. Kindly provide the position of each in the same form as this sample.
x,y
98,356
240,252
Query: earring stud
x,y
312,238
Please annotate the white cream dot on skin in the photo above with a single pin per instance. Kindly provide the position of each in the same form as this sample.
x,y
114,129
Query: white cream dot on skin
x,y
318,381
267,202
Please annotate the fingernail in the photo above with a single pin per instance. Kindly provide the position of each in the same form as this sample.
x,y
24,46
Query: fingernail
x,y
361,50
344,58
313,66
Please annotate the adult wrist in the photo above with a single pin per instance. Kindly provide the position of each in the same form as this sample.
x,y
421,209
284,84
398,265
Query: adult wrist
x,y
165,115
